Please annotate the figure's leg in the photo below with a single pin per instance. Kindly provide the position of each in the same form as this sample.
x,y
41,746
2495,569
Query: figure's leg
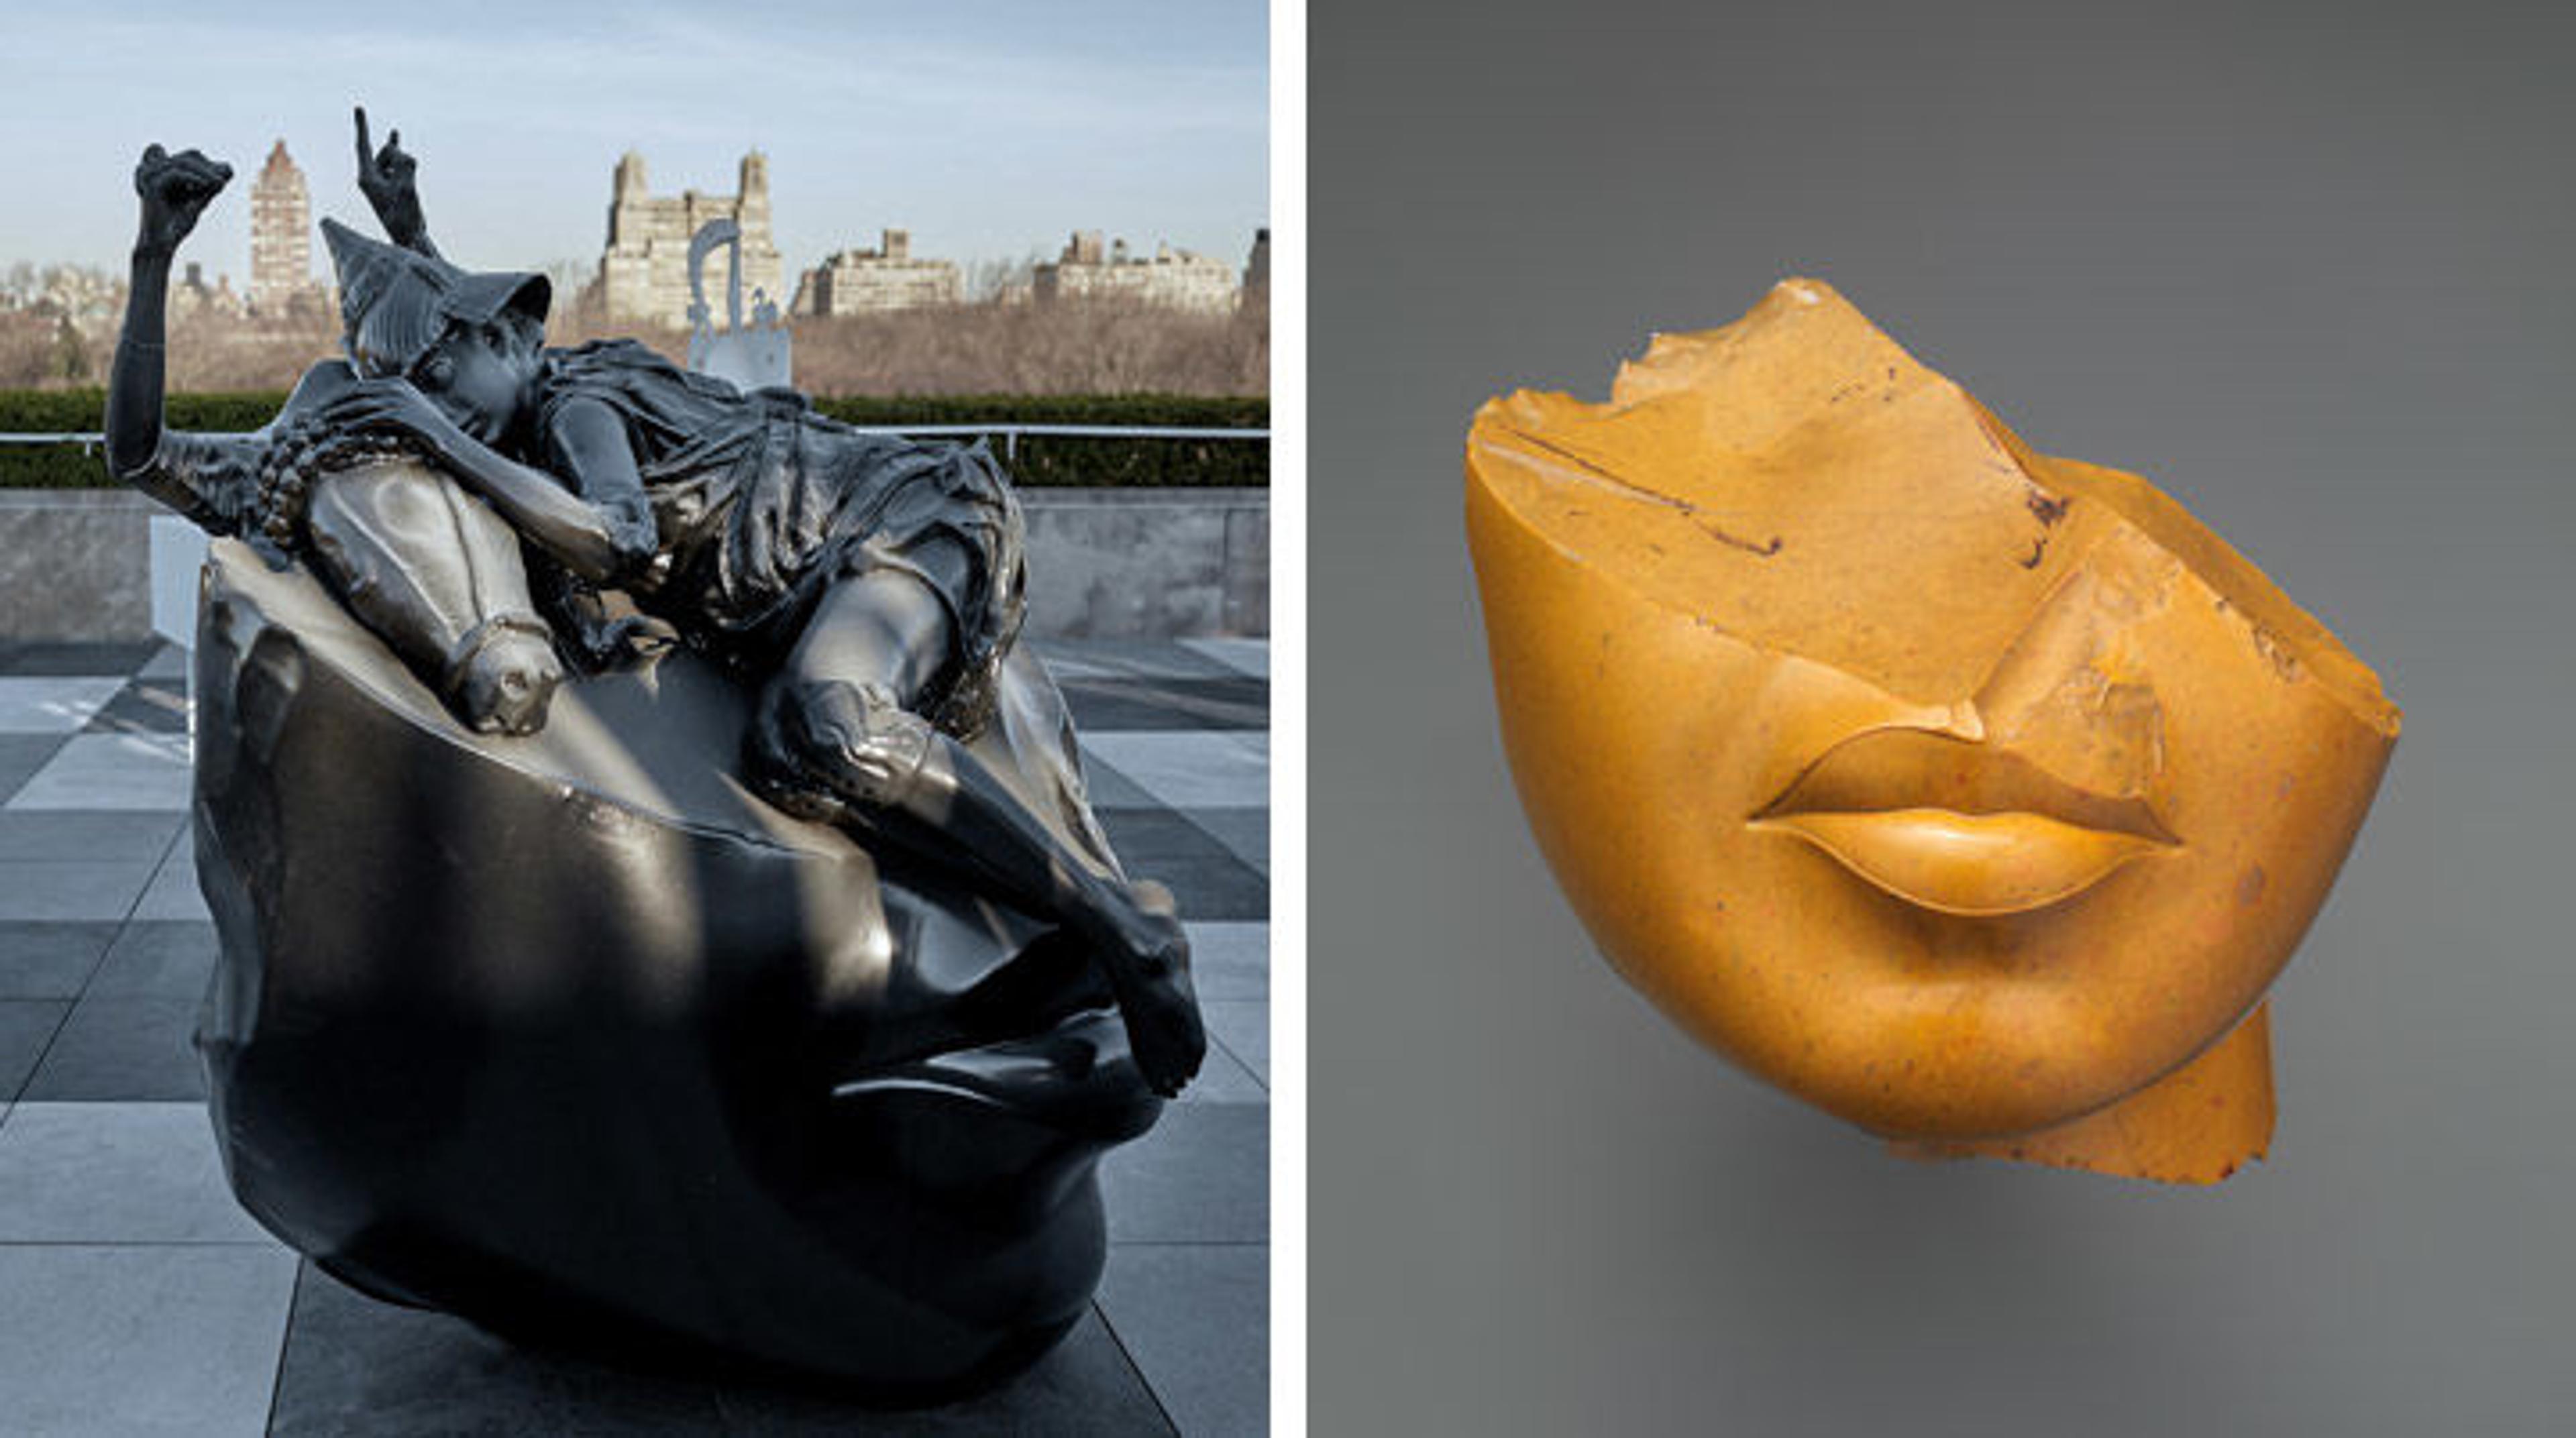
x,y
838,724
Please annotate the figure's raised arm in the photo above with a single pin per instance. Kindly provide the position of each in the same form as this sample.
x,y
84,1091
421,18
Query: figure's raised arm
x,y
389,179
189,473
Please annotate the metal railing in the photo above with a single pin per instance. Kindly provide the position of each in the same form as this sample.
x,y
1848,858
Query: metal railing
x,y
1008,433
87,441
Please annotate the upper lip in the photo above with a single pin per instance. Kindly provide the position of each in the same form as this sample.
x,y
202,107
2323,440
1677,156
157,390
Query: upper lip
x,y
1073,1072
1885,769
1961,826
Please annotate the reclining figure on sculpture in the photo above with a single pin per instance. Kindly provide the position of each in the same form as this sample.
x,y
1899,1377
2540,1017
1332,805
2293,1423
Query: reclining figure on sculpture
x,y
593,560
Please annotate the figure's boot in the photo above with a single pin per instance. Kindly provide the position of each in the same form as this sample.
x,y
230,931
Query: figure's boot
x,y
849,754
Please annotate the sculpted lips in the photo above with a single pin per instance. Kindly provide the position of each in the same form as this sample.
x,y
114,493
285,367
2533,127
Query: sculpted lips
x,y
1960,827
1077,1075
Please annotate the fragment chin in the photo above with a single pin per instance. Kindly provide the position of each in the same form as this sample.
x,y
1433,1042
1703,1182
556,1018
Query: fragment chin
x,y
2200,1124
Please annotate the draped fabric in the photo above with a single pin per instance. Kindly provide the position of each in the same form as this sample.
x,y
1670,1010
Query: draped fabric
x,y
760,503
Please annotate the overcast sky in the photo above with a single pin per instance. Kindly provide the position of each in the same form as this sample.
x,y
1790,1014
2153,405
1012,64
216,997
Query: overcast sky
x,y
988,129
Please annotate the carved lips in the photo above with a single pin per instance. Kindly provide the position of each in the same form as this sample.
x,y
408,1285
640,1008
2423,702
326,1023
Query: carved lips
x,y
1960,827
1077,1075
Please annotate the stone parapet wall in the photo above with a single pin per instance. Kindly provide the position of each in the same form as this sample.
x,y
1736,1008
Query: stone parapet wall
x,y
1148,563
75,565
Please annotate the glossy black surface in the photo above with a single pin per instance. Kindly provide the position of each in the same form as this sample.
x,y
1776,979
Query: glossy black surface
x,y
574,1037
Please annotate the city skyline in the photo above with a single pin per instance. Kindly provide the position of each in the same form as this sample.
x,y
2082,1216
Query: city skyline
x,y
989,132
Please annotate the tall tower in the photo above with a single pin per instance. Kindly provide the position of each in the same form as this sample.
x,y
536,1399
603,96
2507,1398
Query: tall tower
x,y
1256,270
762,268
281,235
753,196
626,196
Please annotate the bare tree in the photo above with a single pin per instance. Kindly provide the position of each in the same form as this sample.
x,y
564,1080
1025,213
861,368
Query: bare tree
x,y
997,344
999,279
1073,347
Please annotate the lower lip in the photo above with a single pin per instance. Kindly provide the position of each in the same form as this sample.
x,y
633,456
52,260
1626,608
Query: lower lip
x,y
1077,1076
1973,865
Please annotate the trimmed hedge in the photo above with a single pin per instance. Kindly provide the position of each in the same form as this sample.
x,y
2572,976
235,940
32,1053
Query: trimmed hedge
x,y
1040,460
1073,463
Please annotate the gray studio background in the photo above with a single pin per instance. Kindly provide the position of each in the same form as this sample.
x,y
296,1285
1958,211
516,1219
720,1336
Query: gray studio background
x,y
2312,270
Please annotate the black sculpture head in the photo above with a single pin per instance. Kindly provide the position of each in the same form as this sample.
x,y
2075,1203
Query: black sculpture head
x,y
574,1039
469,340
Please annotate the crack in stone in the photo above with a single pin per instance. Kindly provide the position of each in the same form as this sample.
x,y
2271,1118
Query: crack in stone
x,y
1698,516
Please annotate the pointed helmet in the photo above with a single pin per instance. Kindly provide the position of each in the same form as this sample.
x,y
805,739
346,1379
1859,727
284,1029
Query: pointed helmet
x,y
396,304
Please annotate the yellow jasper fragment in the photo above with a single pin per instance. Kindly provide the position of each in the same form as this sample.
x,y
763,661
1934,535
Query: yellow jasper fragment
x,y
1973,795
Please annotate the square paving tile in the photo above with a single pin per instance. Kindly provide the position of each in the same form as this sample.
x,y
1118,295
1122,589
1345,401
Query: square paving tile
x,y
144,706
53,705
112,1048
1230,702
354,1365
112,771
141,1339
173,894
1229,960
1195,769
1110,789
1248,656
1243,1026
1201,1176
119,658
1066,668
21,755
1205,876
79,891
26,1027
1223,1079
50,960
157,961
1244,832
1085,1386
168,662
116,1173
1150,834
102,835
1127,658
1196,1319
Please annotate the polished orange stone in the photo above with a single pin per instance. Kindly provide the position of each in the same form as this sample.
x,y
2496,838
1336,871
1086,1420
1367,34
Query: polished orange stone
x,y
1973,795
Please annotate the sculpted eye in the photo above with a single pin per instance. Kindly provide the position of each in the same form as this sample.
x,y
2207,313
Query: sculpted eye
x,y
436,371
